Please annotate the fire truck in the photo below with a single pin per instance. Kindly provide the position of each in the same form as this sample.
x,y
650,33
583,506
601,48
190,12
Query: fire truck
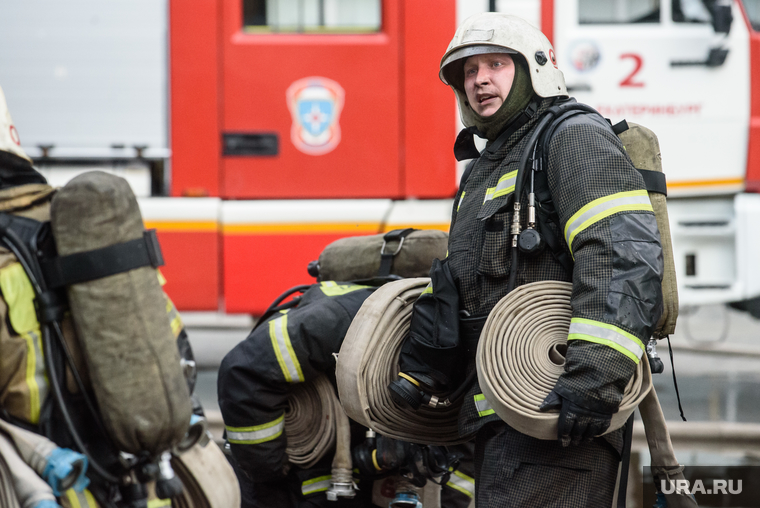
x,y
255,132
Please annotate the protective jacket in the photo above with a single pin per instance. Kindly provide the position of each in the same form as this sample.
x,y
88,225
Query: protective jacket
x,y
24,385
609,230
292,346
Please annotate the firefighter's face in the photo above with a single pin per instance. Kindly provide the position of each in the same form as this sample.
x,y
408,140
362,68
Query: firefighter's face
x,y
487,81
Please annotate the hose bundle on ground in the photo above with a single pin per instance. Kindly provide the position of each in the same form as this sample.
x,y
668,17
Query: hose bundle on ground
x,y
368,362
521,355
310,421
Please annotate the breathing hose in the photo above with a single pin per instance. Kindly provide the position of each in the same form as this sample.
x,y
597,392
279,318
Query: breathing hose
x,y
368,362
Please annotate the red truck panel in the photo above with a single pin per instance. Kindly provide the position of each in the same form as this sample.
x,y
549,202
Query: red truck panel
x,y
428,106
192,268
753,153
194,111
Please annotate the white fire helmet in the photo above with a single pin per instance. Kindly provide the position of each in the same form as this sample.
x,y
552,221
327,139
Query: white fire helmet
x,y
493,32
9,140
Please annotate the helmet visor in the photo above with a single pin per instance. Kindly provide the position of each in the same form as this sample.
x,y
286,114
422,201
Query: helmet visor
x,y
452,73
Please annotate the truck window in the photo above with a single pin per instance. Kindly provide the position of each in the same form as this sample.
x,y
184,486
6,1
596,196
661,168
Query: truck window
x,y
752,7
597,12
692,11
311,16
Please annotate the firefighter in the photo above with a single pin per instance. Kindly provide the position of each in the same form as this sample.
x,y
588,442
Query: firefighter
x,y
504,75
291,346
25,384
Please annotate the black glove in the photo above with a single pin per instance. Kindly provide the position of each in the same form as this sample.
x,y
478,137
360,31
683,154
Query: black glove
x,y
576,423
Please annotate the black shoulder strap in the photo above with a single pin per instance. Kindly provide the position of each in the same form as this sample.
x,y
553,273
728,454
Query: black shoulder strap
x,y
386,258
466,173
95,264
654,181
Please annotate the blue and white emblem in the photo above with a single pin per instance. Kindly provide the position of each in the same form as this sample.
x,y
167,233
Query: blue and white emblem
x,y
315,104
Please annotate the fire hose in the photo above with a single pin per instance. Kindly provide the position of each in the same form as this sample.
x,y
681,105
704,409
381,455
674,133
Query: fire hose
x,y
368,362
519,358
310,421
314,422
521,354
7,492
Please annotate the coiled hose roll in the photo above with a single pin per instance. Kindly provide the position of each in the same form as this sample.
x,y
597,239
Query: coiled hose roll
x,y
521,353
310,421
368,362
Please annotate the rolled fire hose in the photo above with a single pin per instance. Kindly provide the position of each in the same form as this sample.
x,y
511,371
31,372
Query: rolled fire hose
x,y
342,483
520,356
207,477
60,467
310,421
8,497
368,362
664,463
31,491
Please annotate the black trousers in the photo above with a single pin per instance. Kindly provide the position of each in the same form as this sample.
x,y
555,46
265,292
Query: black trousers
x,y
517,471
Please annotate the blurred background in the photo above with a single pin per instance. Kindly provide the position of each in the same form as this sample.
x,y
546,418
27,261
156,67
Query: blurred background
x,y
255,132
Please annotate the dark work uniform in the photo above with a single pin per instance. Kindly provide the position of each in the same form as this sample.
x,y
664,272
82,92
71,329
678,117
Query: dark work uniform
x,y
610,231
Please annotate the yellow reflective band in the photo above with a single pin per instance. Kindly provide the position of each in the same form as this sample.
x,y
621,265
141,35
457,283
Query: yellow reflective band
x,y
71,495
283,349
409,378
609,335
505,185
461,198
330,288
462,483
19,296
428,290
159,503
36,380
600,208
319,484
176,325
483,406
82,499
256,434
161,278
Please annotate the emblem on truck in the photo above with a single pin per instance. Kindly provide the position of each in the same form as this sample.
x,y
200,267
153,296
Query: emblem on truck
x,y
315,104
584,55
